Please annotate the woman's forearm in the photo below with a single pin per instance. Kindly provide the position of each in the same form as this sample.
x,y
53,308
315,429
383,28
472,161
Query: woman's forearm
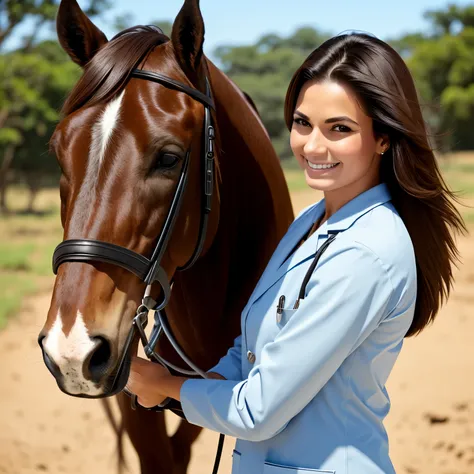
x,y
170,386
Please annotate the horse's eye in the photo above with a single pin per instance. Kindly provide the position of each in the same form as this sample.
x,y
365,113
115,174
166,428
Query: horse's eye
x,y
167,161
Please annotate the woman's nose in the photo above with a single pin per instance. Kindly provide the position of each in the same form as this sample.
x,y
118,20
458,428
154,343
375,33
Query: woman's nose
x,y
315,144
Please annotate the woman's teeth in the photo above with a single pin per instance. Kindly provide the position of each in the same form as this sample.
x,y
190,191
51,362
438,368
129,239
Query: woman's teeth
x,y
313,166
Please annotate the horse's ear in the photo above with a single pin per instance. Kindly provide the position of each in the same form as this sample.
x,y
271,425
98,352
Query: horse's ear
x,y
78,36
188,36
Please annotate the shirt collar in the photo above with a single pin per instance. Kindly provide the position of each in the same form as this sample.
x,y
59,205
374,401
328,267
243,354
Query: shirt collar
x,y
357,207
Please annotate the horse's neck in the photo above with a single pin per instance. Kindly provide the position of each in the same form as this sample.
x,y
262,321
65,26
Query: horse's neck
x,y
255,211
247,152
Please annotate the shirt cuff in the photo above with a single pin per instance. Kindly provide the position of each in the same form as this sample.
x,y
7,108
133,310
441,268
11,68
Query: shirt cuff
x,y
227,370
196,401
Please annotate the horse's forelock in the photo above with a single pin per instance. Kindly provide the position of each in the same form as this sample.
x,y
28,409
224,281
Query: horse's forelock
x,y
107,72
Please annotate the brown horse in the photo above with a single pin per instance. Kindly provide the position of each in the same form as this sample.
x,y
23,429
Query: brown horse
x,y
121,145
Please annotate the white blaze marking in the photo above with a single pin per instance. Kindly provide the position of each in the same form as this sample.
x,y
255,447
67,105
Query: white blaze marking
x,y
69,352
103,129
101,135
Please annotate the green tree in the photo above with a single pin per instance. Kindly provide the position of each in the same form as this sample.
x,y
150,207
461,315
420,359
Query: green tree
x,y
41,12
33,88
443,66
35,80
165,25
441,61
451,20
126,20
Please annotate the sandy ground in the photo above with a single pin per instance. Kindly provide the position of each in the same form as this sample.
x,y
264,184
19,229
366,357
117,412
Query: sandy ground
x,y
431,425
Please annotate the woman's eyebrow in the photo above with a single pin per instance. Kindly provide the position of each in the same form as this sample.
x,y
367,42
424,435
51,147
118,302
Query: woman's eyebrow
x,y
343,118
302,115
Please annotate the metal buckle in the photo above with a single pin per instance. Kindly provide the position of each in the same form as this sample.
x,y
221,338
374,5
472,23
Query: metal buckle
x,y
161,278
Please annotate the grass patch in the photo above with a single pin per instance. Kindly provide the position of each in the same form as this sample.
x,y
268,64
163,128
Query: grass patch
x,y
454,167
42,258
294,175
461,187
295,180
14,256
14,287
468,217
459,175
28,241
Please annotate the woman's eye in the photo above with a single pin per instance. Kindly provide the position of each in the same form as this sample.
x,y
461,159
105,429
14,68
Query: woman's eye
x,y
301,122
341,128
167,161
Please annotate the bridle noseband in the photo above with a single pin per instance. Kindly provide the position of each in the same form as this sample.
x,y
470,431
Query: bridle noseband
x,y
149,270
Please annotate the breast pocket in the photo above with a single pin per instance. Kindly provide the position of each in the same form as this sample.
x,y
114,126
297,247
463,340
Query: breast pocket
x,y
272,468
235,462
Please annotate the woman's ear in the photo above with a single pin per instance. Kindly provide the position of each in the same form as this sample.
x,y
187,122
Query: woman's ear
x,y
383,144
78,36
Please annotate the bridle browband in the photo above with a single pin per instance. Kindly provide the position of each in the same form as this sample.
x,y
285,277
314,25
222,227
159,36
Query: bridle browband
x,y
205,99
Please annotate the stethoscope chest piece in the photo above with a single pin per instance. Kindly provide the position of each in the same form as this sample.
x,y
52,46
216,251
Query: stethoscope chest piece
x,y
302,291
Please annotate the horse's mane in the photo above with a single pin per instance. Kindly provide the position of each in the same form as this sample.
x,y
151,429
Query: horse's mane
x,y
108,71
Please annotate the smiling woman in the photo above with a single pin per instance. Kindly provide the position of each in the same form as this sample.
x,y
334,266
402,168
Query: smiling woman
x,y
362,78
332,138
354,275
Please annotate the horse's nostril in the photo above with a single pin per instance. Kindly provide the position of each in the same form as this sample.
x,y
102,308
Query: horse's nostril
x,y
99,361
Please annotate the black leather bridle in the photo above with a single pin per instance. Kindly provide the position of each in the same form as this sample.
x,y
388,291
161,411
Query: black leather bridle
x,y
150,270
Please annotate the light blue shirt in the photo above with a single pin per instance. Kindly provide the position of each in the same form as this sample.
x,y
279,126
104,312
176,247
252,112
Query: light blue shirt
x,y
306,392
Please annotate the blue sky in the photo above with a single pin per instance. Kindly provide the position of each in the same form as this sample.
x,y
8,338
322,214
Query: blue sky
x,y
244,21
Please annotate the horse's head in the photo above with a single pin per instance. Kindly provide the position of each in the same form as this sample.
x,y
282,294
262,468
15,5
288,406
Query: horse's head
x,y
122,145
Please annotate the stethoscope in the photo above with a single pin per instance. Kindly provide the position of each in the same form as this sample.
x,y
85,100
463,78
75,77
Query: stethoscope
x,y
301,293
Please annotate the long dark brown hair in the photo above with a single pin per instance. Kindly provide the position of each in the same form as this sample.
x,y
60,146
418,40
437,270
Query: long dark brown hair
x,y
384,86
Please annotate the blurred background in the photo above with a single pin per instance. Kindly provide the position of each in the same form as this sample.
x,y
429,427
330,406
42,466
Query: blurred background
x,y
259,45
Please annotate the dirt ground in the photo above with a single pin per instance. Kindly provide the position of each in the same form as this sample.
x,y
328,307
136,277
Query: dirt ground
x,y
431,424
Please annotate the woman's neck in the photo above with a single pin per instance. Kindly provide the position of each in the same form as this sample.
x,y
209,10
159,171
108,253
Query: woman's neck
x,y
337,198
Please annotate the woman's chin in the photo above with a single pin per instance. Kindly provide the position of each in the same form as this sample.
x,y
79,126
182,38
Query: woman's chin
x,y
320,184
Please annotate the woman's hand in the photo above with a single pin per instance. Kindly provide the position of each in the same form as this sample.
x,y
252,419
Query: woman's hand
x,y
145,380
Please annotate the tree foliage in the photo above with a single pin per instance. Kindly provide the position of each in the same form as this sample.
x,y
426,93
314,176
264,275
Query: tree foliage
x,y
442,64
41,12
37,76
35,80
441,61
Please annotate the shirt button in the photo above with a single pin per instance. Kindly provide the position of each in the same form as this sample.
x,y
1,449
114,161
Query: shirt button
x,y
251,357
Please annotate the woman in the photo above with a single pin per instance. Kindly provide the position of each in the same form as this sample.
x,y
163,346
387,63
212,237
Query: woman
x,y
304,385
